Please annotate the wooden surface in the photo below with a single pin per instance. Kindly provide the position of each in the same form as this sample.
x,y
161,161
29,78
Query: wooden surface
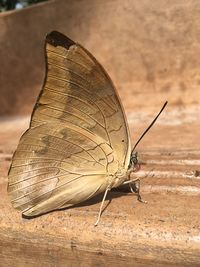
x,y
163,232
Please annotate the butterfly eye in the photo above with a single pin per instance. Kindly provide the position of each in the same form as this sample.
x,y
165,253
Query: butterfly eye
x,y
133,160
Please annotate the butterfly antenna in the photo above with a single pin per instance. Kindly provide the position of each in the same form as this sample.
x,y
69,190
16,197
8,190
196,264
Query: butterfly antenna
x,y
149,126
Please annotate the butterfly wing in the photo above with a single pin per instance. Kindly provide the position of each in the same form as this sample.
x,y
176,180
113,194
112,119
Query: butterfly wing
x,y
78,135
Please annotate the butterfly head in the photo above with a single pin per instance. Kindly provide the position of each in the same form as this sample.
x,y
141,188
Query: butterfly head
x,y
134,164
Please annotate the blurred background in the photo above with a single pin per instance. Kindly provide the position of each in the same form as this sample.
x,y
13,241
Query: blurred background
x,y
149,48
6,5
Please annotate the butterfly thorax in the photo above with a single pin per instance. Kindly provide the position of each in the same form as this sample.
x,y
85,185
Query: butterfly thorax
x,y
123,174
119,177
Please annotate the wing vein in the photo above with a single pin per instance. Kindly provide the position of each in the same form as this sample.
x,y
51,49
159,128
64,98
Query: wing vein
x,y
81,111
77,98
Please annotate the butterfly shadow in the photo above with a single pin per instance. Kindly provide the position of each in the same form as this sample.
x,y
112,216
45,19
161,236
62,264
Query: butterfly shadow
x,y
114,193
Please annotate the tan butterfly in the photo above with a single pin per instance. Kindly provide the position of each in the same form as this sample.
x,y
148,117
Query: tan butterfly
x,y
78,142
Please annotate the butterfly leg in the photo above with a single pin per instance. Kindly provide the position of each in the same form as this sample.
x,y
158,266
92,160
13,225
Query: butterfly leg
x,y
135,188
101,207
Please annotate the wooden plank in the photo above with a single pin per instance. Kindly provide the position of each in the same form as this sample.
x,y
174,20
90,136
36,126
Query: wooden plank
x,y
163,232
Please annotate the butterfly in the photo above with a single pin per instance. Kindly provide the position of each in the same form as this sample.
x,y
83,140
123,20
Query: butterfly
x,y
78,142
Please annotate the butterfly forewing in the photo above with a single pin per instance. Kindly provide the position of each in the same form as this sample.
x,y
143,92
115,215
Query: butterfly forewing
x,y
78,135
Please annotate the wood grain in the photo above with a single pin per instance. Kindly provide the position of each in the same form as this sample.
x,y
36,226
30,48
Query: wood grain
x,y
164,232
